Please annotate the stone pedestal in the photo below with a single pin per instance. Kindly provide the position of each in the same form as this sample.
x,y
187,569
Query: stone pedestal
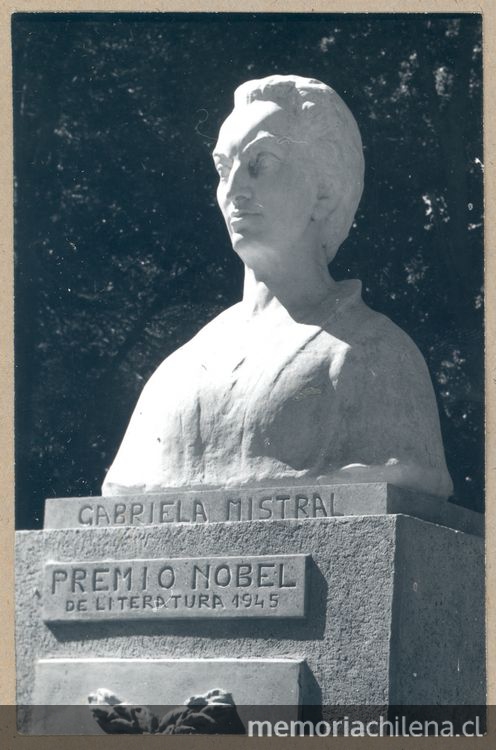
x,y
386,610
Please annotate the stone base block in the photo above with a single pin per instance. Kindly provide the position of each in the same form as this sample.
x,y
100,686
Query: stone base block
x,y
394,607
258,504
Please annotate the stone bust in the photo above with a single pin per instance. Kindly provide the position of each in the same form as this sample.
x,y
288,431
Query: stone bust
x,y
300,382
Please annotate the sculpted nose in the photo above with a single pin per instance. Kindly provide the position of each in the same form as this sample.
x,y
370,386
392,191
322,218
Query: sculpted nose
x,y
238,186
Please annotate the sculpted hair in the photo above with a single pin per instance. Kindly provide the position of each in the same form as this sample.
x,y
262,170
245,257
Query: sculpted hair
x,y
321,114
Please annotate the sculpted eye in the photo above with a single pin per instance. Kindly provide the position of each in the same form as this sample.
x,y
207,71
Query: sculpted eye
x,y
222,169
262,162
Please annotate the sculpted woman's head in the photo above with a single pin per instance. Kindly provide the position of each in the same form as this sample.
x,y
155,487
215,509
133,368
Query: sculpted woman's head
x,y
291,167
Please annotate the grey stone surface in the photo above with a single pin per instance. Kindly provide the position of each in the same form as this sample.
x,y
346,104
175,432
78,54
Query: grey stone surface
x,y
244,504
262,683
178,588
395,606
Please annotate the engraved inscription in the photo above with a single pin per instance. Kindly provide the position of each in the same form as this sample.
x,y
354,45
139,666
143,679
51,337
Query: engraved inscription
x,y
133,513
181,588
279,506
189,507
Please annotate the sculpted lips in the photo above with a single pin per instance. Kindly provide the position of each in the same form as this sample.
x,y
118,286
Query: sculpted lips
x,y
238,216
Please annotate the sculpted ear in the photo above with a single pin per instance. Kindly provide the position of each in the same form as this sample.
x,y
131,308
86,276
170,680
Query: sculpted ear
x,y
326,203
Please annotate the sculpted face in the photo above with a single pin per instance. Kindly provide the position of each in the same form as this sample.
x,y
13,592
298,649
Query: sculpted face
x,y
267,190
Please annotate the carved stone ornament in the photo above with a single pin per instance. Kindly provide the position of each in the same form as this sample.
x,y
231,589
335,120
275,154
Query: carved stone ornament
x,y
212,713
300,382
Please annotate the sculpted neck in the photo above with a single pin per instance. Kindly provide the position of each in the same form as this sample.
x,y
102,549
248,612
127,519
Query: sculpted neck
x,y
303,292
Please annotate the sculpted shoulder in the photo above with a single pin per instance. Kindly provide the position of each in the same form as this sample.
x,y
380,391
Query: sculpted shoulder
x,y
398,358
387,406
224,324
371,336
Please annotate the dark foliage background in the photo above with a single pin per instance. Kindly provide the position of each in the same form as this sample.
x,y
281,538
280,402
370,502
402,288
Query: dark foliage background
x,y
121,253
